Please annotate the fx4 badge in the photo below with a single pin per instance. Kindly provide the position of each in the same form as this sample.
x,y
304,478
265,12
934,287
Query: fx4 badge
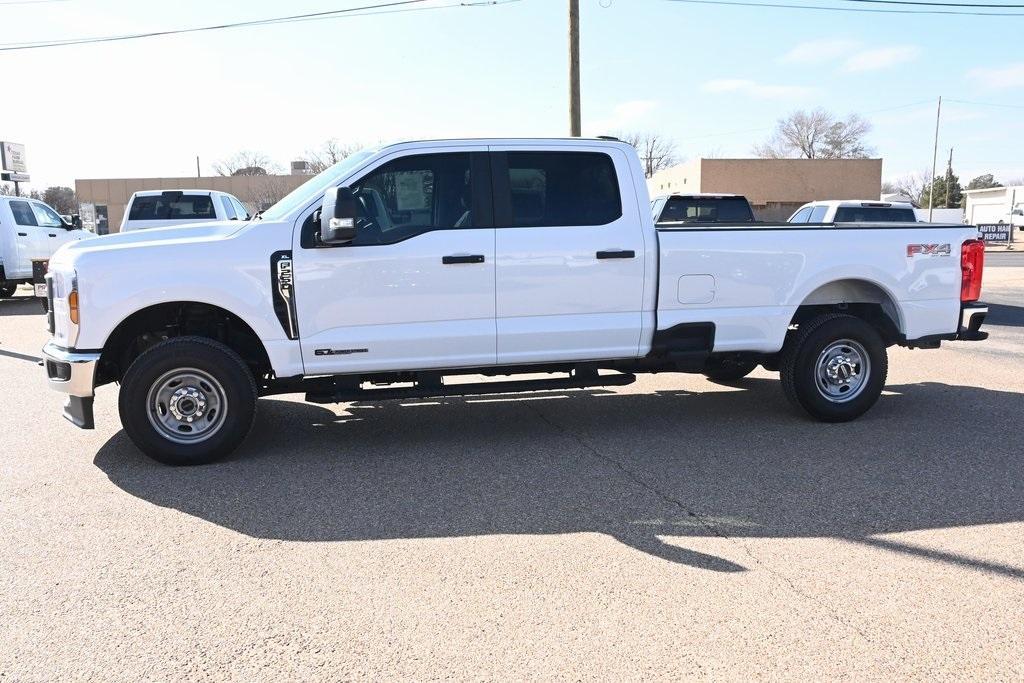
x,y
928,250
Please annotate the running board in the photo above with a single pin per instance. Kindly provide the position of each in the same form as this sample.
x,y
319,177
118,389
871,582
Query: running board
x,y
582,381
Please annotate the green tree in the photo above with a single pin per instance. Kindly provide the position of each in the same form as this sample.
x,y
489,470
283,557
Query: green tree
x,y
62,199
956,193
983,182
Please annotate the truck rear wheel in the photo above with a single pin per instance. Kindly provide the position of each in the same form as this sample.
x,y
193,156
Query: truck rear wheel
x,y
188,401
7,289
834,368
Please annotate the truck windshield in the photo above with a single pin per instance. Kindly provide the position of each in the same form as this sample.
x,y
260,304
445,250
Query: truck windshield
x,y
316,185
707,210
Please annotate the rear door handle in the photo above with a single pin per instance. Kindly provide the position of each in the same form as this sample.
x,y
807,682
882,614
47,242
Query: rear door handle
x,y
52,234
22,234
469,258
617,253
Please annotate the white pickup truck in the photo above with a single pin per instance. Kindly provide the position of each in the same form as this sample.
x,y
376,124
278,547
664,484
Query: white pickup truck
x,y
403,270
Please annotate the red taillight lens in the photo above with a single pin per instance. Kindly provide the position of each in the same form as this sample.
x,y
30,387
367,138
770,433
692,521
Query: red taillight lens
x,y
972,262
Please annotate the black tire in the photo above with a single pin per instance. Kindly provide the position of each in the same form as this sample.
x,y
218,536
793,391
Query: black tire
x,y
728,369
220,377
803,356
7,289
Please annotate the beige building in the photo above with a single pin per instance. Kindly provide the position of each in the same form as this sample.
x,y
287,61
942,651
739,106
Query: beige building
x,y
103,201
775,187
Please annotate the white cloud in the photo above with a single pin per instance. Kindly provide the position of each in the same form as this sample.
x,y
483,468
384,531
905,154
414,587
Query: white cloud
x,y
1009,76
817,51
881,58
754,89
623,115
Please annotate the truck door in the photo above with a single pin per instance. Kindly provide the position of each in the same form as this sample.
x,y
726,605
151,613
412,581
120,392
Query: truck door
x,y
29,237
415,288
570,255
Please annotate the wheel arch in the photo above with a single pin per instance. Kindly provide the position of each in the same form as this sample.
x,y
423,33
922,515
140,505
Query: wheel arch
x,y
157,322
866,299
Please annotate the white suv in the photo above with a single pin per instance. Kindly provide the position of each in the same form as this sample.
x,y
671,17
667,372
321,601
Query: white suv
x,y
854,211
164,208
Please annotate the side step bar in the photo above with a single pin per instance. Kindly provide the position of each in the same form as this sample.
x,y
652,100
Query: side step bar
x,y
432,390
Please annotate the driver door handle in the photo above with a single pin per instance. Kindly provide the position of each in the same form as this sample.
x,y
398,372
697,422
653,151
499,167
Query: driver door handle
x,y
52,234
460,258
616,253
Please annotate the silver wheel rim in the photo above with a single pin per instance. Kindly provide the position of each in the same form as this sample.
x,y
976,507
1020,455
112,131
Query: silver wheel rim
x,y
186,405
842,371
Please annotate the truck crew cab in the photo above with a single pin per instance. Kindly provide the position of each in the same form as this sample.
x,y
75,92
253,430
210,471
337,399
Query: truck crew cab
x,y
403,269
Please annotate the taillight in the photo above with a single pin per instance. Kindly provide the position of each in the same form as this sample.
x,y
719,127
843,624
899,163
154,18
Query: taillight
x,y
972,262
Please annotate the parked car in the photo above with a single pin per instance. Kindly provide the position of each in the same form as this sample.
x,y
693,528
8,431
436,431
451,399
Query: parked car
x,y
29,230
165,208
403,267
702,207
848,211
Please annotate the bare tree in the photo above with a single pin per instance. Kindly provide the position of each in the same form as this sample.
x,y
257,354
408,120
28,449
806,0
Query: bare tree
x,y
817,134
656,152
329,153
912,185
246,162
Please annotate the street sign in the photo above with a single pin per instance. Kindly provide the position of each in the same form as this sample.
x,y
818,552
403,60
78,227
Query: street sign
x,y
15,177
12,158
995,232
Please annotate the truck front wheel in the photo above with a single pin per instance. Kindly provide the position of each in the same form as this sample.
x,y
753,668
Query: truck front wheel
x,y
834,367
188,401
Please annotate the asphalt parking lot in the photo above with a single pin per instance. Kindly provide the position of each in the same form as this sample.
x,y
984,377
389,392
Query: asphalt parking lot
x,y
671,528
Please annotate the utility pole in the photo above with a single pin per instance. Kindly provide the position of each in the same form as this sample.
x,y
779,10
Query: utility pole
x,y
949,175
574,69
935,159
198,172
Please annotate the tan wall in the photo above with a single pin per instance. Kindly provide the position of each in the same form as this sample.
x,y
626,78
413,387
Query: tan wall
x,y
255,192
767,182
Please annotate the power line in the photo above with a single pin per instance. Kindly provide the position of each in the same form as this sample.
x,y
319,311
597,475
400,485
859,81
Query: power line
x,y
768,5
967,101
937,4
365,10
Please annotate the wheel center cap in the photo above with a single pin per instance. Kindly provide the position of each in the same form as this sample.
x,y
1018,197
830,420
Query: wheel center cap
x,y
841,369
187,404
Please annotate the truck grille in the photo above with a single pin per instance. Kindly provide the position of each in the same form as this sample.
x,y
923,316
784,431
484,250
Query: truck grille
x,y
49,304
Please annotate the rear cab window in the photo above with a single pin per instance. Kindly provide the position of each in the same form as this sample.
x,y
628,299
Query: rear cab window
x,y
874,214
172,206
707,210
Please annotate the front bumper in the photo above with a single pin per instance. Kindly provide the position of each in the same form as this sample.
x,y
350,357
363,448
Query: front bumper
x,y
72,372
971,318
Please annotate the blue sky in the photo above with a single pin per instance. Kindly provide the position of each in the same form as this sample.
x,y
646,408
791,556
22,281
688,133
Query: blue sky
x,y
713,78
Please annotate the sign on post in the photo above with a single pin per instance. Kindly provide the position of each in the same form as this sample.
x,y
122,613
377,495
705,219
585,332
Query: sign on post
x,y
13,166
995,232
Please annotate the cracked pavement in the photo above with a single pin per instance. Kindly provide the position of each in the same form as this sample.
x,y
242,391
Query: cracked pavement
x,y
672,528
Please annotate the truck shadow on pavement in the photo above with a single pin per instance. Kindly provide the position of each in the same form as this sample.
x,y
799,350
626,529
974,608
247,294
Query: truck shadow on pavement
x,y
648,469
1005,315
21,305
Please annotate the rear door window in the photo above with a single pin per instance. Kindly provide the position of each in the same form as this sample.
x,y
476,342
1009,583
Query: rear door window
x,y
172,207
548,189
874,214
23,214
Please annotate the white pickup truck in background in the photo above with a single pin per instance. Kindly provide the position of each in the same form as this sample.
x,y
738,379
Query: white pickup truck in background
x,y
29,231
403,270
167,208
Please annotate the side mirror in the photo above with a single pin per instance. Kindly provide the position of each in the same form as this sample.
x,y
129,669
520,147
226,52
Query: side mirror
x,y
338,216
